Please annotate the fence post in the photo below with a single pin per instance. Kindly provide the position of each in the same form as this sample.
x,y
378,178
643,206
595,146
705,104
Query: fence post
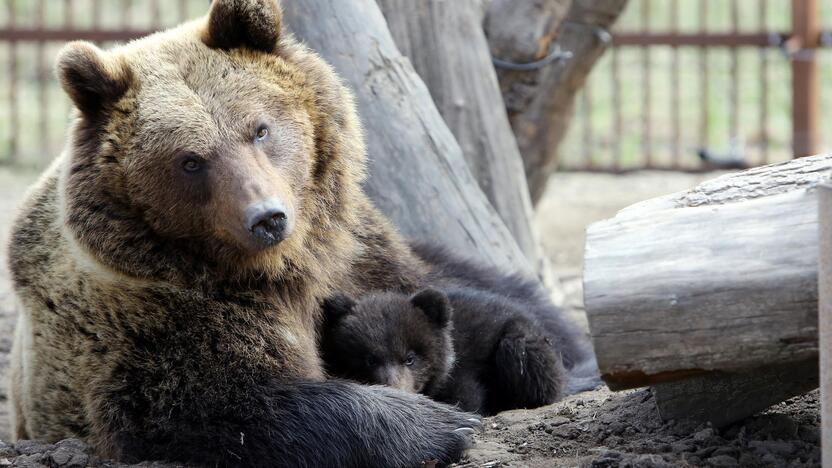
x,y
805,94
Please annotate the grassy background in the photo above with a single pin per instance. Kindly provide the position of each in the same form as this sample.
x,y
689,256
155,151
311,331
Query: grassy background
x,y
591,135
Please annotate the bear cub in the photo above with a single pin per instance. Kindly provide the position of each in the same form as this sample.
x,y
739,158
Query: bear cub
x,y
463,346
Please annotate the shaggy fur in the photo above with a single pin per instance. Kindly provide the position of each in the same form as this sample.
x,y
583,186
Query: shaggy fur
x,y
503,358
152,326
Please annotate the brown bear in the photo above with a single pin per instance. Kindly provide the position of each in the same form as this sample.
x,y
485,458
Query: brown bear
x,y
463,346
171,261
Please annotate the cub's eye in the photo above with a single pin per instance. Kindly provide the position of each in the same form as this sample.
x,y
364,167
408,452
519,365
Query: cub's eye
x,y
370,361
191,165
410,359
262,133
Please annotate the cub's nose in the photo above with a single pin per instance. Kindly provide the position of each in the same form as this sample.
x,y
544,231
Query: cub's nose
x,y
267,221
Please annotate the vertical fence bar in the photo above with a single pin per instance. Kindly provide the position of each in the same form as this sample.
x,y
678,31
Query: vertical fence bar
x,y
645,66
43,76
125,14
183,10
586,117
155,14
674,86
616,109
69,14
96,14
14,118
805,91
734,91
704,79
764,141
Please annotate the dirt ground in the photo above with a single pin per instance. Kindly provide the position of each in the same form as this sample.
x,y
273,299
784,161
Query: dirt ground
x,y
593,429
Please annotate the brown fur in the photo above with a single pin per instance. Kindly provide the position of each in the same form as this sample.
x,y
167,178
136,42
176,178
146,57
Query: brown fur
x,y
142,301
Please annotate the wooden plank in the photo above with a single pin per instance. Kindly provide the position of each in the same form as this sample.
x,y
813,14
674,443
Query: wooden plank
x,y
674,86
646,67
825,318
720,277
762,23
704,80
805,80
714,39
64,35
734,131
14,110
617,124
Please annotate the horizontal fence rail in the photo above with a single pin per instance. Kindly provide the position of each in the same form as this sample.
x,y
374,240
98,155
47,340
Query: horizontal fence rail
x,y
33,109
697,85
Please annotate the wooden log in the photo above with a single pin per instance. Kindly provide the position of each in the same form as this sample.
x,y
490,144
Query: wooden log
x,y
445,43
723,398
418,175
720,277
540,102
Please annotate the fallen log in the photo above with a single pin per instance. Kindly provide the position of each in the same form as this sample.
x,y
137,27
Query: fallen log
x,y
722,277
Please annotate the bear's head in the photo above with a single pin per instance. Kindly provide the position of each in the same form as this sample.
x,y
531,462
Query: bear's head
x,y
221,144
389,338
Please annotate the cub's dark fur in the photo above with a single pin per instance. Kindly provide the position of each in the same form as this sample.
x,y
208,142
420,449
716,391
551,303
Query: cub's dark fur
x,y
450,271
470,347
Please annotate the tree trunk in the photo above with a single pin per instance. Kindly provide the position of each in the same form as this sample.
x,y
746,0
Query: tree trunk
x,y
540,102
445,43
722,277
418,175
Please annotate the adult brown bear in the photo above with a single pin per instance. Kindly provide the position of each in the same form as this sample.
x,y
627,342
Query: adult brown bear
x,y
171,261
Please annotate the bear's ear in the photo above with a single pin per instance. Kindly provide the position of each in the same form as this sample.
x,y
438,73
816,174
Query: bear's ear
x,y
336,307
90,78
244,23
434,304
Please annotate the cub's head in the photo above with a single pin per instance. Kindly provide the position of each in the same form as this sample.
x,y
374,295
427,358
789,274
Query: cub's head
x,y
220,144
390,339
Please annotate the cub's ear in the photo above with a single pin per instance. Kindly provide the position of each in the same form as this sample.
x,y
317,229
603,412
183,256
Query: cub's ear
x,y
434,304
336,307
244,23
91,78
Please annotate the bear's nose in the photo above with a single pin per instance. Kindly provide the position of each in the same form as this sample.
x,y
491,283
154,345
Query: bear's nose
x,y
267,222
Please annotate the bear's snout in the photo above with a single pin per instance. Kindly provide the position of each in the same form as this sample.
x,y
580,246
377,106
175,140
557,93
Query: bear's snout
x,y
268,222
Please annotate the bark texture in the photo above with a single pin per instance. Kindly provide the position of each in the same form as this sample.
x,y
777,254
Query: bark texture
x,y
540,102
722,277
446,44
418,174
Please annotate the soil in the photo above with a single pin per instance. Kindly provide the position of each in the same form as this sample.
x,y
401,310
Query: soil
x,y
592,429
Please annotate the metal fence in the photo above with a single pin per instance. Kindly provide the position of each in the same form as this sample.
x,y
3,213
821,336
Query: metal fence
x,y
696,84
33,109
686,84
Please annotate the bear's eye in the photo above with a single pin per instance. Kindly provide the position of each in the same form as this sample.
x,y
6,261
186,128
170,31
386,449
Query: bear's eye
x,y
410,359
191,165
370,361
262,133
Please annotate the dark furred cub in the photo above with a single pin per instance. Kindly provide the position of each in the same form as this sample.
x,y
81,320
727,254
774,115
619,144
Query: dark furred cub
x,y
504,360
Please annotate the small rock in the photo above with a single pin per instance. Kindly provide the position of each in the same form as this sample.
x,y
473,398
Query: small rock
x,y
29,447
777,447
704,435
722,461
